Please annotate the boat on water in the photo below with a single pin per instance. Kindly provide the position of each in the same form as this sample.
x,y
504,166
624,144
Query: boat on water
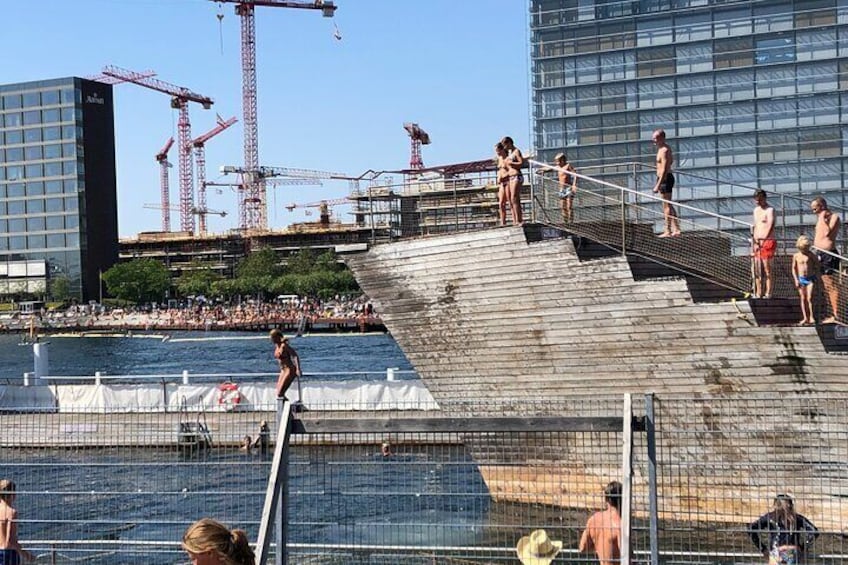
x,y
601,306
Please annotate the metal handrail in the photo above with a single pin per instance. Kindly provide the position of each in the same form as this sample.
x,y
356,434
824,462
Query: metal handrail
x,y
178,376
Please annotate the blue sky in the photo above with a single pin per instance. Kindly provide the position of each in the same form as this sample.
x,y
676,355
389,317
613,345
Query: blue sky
x,y
459,69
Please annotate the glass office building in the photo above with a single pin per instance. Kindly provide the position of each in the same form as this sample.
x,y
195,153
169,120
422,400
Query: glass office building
x,y
58,205
750,92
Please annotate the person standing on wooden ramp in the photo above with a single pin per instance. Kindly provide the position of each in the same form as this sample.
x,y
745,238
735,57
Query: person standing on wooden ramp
x,y
764,245
665,183
567,186
603,530
827,228
289,362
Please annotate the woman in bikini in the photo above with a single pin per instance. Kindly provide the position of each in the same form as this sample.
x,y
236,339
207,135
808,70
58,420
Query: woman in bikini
x,y
288,359
11,551
514,162
503,181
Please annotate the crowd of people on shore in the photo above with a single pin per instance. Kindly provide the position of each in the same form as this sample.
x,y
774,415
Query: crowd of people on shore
x,y
199,315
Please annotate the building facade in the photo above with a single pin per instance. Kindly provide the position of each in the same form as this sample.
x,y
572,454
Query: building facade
x,y
58,203
750,93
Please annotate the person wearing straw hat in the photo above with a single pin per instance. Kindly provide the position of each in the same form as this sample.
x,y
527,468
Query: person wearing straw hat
x,y
537,548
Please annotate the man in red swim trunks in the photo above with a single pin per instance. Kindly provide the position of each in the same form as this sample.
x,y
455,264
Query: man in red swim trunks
x,y
764,245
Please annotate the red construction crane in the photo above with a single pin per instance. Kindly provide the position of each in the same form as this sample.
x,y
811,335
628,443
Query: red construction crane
x,y
164,183
199,144
417,138
253,211
180,97
105,79
323,208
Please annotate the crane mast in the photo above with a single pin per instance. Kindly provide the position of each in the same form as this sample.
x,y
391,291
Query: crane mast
x,y
164,184
199,145
180,97
253,213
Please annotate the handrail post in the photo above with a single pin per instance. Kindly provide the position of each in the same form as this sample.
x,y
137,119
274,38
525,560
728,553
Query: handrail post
x,y
635,187
623,224
626,476
651,431
274,508
783,219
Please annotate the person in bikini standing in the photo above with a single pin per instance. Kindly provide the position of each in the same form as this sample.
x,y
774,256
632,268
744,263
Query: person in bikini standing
x,y
827,229
503,181
289,362
514,162
764,245
665,183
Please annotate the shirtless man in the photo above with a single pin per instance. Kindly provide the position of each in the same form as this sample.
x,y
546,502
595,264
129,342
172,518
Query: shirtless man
x,y
827,228
567,186
11,551
763,245
665,183
603,530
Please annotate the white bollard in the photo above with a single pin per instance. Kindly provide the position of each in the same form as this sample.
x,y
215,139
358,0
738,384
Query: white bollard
x,y
41,363
390,373
97,378
27,378
185,377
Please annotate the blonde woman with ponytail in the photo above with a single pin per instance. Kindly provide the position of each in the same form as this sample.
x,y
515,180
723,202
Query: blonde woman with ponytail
x,y
209,542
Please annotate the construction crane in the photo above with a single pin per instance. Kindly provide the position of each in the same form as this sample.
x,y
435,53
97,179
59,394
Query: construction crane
x,y
106,79
323,206
180,97
199,144
196,211
417,138
252,204
164,183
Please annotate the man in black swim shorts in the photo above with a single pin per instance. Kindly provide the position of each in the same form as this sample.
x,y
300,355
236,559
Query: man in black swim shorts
x,y
665,183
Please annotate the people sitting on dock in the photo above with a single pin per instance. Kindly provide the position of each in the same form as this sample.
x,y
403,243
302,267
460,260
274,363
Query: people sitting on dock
x,y
209,542
827,229
783,535
763,245
603,530
289,362
537,548
805,271
11,551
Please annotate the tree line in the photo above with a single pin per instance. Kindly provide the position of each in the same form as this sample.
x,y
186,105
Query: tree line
x,y
259,274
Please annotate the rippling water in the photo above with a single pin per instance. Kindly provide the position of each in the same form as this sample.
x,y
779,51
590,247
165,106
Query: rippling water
x,y
198,352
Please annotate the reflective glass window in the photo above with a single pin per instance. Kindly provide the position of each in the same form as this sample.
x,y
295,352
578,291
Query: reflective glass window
x,y
68,114
69,167
693,28
50,97
737,149
550,104
32,99
53,187
12,101
649,121
36,241
34,170
654,32
17,225
52,133
35,206
777,146
779,49
14,137
695,89
817,77
815,13
69,132
51,115
16,207
33,152
588,99
36,223
617,65
775,81
552,133
773,16
780,177
53,169
52,151
15,190
736,117
4,242
729,53
35,188
70,186
819,143
71,222
696,152
55,222
17,243
14,154
69,149
54,205
696,121
656,93
818,110
776,114
71,203
734,85
549,73
55,240
695,57
816,44
821,176
72,240
732,23
656,61
14,120
32,117
68,96
587,69
14,172
32,135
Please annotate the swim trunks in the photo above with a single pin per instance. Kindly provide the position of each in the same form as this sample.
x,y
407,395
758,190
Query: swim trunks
x,y
9,557
667,184
786,555
806,281
829,263
566,193
765,249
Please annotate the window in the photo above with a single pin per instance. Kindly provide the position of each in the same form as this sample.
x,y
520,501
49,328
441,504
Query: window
x,y
35,188
587,69
731,53
52,115
693,28
69,114
12,101
817,143
820,176
69,150
617,65
696,121
14,137
35,224
775,81
649,121
14,155
32,135
588,99
613,97
33,153
16,207
50,97
618,36
53,187
71,203
815,13
550,73
32,99
52,133
53,151
654,32
32,117
696,152
737,149
780,49
589,130
694,58
35,206
695,89
776,114
777,146
656,93
36,241
55,222
17,225
735,85
780,177
550,104
16,190
816,44
14,172
55,240
71,222
71,96
773,17
736,117
53,169
17,243
34,171
54,205
14,120
656,61
69,167
71,240
69,132
817,77
818,110
618,127
732,23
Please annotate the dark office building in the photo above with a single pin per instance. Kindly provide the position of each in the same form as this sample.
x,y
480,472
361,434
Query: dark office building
x,y
58,203
751,93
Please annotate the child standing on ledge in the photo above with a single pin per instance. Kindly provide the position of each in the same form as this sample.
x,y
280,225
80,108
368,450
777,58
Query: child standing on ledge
x,y
805,269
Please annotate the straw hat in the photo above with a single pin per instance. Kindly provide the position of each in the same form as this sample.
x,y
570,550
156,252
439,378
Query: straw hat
x,y
537,548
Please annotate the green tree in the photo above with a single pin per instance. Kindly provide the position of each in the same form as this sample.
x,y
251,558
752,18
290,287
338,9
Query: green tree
x,y
301,263
60,288
327,262
197,279
261,263
139,280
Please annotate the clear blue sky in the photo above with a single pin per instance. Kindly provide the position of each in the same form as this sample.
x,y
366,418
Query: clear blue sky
x,y
459,69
